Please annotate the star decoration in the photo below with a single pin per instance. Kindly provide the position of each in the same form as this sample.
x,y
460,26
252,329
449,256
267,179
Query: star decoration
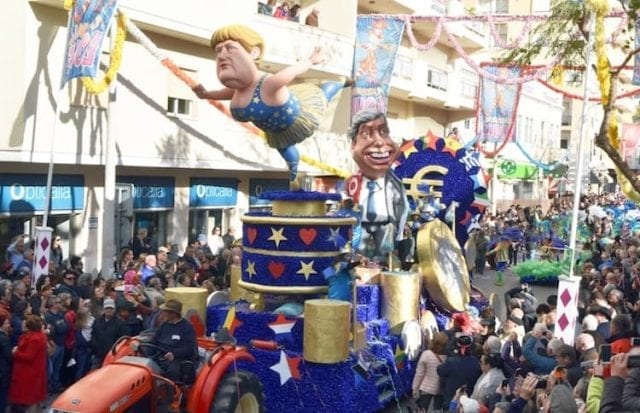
x,y
335,236
287,368
282,325
256,99
306,269
408,148
431,140
451,146
277,236
251,268
289,111
479,179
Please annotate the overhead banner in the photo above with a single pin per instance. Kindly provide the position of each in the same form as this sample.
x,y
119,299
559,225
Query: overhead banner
x,y
377,41
630,148
88,25
498,105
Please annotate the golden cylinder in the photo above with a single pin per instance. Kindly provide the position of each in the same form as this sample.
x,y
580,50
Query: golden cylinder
x,y
299,209
237,292
192,298
326,331
400,297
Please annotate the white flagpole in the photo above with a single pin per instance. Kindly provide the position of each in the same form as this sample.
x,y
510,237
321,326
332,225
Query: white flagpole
x,y
580,166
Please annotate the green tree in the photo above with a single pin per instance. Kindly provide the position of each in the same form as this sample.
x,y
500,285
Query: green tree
x,y
566,34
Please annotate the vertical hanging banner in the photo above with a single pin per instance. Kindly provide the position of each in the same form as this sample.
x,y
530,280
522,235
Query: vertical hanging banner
x,y
88,25
43,251
377,41
498,105
636,59
567,309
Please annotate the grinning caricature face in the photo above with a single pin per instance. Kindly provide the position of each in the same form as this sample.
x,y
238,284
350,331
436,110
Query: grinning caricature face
x,y
372,148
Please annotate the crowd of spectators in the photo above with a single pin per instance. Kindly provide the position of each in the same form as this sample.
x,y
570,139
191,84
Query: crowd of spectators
x,y
54,331
287,10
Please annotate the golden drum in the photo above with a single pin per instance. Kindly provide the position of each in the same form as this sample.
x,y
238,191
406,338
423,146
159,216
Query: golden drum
x,y
326,331
192,298
400,297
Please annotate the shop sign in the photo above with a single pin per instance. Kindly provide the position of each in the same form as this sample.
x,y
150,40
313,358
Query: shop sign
x,y
213,192
20,193
151,192
258,186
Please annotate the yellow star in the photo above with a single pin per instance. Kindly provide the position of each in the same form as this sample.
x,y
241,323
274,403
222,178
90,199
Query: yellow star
x,y
251,268
408,148
277,236
306,269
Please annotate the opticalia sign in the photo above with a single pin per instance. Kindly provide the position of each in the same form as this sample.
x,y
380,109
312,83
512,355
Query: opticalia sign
x,y
151,192
27,193
213,192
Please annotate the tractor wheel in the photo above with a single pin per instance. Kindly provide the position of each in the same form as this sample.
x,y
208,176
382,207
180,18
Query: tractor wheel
x,y
239,392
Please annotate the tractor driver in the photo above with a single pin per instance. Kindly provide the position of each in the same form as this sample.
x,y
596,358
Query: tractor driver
x,y
177,337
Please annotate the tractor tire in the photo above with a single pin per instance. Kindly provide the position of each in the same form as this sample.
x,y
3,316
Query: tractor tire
x,y
239,392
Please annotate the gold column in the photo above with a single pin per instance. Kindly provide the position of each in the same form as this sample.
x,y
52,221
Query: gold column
x,y
326,331
400,297
192,298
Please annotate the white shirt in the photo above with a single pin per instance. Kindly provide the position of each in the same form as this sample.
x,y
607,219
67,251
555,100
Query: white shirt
x,y
379,198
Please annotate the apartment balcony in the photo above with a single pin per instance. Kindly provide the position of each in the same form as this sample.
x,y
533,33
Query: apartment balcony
x,y
288,42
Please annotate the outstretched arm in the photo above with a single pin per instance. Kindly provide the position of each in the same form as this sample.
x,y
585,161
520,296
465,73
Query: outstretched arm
x,y
274,83
222,94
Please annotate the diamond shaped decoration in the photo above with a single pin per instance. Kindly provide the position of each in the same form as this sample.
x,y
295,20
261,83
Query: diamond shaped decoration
x,y
565,297
44,244
43,262
563,322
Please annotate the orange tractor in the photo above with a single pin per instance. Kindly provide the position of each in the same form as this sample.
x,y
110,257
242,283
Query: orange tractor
x,y
130,381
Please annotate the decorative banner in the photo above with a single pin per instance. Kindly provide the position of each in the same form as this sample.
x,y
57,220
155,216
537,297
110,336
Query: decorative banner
x,y
636,59
630,139
88,25
377,41
43,251
498,105
567,310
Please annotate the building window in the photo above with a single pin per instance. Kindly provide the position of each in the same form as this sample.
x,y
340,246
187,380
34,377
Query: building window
x,y
437,79
565,138
503,31
180,98
467,123
178,106
502,6
566,111
403,67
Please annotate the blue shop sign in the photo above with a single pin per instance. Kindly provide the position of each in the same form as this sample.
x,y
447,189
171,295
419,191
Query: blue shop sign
x,y
213,192
258,186
26,193
151,192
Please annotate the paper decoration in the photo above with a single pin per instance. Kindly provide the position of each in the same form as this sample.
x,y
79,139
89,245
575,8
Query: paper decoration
x,y
287,368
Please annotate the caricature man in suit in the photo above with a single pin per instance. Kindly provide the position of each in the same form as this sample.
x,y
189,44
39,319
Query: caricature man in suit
x,y
376,188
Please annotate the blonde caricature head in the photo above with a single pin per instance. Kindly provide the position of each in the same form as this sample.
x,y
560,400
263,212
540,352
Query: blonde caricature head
x,y
247,37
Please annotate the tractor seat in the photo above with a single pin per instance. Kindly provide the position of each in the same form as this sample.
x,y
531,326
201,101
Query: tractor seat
x,y
143,361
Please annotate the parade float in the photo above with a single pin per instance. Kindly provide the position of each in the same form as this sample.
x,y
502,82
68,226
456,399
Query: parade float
x,y
309,353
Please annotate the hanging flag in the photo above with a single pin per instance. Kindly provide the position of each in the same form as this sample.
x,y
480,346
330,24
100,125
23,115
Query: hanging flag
x,y
377,41
498,104
636,59
567,309
43,253
88,25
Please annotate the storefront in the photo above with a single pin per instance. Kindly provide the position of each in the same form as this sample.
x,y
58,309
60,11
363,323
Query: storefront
x,y
210,200
23,200
259,186
153,200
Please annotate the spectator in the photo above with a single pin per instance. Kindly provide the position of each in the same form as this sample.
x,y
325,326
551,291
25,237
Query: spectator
x,y
5,360
586,347
313,18
490,379
282,11
216,243
426,382
56,256
82,354
68,284
58,328
106,331
566,359
125,261
29,372
294,13
461,369
229,238
141,244
541,364
76,266
266,8
15,252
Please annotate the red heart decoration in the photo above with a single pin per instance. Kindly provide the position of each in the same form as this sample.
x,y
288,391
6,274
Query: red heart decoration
x,y
307,235
252,233
276,269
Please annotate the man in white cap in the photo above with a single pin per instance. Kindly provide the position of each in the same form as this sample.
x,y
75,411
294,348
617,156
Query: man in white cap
x,y
107,329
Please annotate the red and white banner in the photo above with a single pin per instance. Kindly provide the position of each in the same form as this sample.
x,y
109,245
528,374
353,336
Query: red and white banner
x,y
567,309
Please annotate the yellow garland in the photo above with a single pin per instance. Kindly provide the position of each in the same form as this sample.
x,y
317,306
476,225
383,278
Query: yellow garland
x,y
557,74
97,87
601,9
323,166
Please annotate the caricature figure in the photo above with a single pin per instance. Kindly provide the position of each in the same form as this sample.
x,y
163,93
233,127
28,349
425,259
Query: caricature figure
x,y
376,188
287,114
